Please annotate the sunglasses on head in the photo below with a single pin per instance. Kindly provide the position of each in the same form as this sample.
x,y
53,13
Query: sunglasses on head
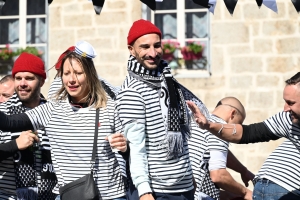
x,y
221,104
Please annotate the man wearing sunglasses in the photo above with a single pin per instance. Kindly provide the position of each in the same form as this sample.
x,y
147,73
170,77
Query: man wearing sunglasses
x,y
208,155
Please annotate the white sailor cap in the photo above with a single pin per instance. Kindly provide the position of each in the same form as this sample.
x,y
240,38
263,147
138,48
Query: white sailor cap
x,y
85,49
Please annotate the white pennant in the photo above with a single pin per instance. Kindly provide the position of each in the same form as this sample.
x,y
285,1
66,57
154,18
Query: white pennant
x,y
271,4
212,4
159,0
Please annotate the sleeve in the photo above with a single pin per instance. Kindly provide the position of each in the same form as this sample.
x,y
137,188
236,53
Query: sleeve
x,y
41,115
257,132
217,160
216,144
131,110
15,123
8,149
279,124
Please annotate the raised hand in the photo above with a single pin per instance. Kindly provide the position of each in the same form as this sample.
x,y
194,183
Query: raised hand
x,y
26,139
200,119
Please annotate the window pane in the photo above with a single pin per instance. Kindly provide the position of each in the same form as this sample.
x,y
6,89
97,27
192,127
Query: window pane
x,y
189,4
9,31
166,5
36,7
167,23
36,31
42,52
11,7
199,63
196,25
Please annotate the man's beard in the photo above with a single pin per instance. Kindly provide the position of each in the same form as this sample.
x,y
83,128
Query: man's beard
x,y
35,93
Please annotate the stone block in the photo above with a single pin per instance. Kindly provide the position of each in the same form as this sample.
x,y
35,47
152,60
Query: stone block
x,y
246,64
279,27
116,4
103,43
77,21
288,45
263,100
263,46
135,11
292,12
267,81
62,38
239,94
115,56
55,17
255,28
212,98
86,33
279,98
253,12
229,33
217,60
238,50
110,18
217,14
213,82
281,11
107,31
240,81
72,8
280,64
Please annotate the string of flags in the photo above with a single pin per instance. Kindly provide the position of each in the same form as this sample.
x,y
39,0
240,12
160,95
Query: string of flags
x,y
210,4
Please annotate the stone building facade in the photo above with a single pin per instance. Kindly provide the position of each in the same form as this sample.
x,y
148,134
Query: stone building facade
x,y
252,53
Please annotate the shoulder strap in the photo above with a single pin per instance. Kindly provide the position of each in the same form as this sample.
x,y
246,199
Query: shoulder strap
x,y
96,136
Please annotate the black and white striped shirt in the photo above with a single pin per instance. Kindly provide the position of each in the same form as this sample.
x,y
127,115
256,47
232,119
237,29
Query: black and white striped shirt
x,y
283,167
201,144
71,132
138,101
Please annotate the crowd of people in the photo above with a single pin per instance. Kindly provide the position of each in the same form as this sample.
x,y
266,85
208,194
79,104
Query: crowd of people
x,y
156,139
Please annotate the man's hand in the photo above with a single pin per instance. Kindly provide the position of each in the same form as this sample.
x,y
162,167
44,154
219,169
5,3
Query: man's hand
x,y
248,195
117,141
199,117
247,176
147,197
26,139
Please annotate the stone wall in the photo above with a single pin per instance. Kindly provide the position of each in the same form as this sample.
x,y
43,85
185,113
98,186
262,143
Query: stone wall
x,y
252,53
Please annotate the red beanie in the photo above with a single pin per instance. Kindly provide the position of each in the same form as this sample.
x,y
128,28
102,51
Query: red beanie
x,y
140,28
27,62
61,57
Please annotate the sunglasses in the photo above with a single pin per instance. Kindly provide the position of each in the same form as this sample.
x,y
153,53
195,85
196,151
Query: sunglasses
x,y
221,104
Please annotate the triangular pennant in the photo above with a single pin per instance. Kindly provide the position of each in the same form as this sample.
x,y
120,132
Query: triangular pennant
x,y
2,2
150,3
212,4
98,5
296,4
259,2
49,2
271,4
203,3
230,4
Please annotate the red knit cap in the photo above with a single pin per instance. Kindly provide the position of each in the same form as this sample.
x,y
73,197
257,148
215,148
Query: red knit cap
x,y
139,28
61,57
27,62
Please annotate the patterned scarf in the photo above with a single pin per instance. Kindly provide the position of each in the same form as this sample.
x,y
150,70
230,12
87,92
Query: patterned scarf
x,y
25,163
172,102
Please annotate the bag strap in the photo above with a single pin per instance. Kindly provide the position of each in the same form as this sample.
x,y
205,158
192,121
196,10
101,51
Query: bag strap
x,y
95,137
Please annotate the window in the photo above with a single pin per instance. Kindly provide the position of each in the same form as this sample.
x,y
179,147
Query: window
x,y
184,21
23,23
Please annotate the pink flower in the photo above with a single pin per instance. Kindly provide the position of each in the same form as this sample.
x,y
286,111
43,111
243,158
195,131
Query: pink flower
x,y
7,46
167,51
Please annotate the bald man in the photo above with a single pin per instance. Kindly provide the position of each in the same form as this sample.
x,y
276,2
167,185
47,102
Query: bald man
x,y
7,88
208,155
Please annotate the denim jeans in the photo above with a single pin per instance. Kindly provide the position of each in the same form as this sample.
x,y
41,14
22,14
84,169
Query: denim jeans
x,y
265,189
120,198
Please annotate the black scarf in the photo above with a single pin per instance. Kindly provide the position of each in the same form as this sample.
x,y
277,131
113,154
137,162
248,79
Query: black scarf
x,y
25,166
173,103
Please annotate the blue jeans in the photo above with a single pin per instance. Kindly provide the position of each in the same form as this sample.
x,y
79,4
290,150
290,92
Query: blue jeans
x,y
120,198
265,189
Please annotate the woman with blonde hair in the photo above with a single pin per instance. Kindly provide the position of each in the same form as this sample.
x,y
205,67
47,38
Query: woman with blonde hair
x,y
70,120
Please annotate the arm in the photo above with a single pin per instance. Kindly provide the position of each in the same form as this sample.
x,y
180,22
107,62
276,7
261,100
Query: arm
x,y
234,132
15,123
234,164
8,149
132,117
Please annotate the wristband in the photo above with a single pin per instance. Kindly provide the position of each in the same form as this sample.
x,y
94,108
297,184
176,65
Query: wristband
x,y
146,193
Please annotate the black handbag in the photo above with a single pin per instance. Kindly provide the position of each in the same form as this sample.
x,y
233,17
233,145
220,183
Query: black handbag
x,y
83,188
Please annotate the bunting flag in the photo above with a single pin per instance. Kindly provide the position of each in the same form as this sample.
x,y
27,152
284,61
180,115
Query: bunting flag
x,y
2,2
230,4
212,4
150,3
259,2
98,5
296,4
49,2
271,4
203,3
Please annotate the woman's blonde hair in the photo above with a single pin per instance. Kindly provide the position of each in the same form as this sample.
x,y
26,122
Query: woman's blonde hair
x,y
96,95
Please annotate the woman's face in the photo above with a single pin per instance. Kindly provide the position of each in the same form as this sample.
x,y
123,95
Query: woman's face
x,y
74,80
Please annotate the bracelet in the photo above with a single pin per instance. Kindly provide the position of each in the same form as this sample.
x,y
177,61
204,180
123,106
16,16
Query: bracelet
x,y
146,193
219,132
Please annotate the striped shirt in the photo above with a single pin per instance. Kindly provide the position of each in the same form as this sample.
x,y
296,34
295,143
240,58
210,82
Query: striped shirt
x,y
138,101
201,144
283,167
7,178
71,132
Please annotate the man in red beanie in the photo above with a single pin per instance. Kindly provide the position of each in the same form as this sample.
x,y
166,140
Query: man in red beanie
x,y
25,157
152,108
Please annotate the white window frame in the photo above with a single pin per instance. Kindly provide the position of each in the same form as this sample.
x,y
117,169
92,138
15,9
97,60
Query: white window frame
x,y
180,11
22,17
